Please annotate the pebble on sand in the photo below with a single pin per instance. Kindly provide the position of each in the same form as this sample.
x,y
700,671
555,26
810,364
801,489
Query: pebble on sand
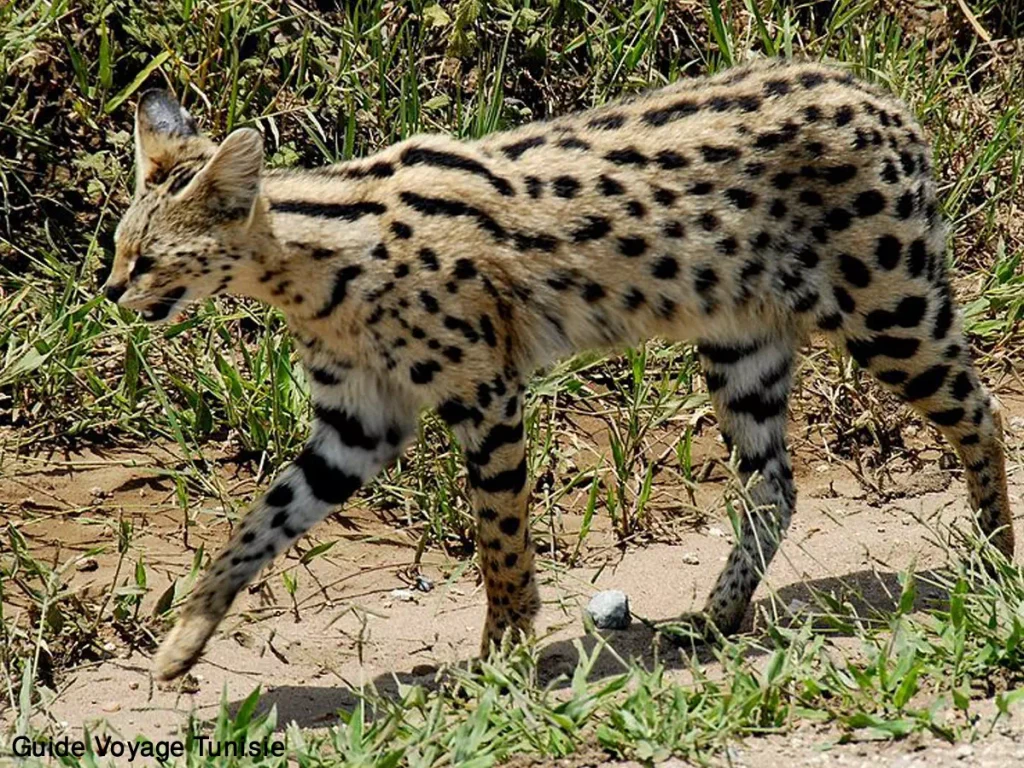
x,y
610,610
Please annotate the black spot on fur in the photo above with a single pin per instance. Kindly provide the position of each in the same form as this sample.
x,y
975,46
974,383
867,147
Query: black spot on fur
x,y
487,329
830,322
632,246
948,418
917,258
774,139
810,80
907,161
671,161
627,156
839,174
889,173
378,170
664,196
751,269
339,290
673,229
758,406
458,324
279,496
783,180
905,205
810,197
607,122
429,259
926,384
892,377
704,279
722,354
429,302
439,206
908,314
456,162
838,219
593,292
595,228
349,429
609,186
843,115
855,271
741,198
516,150
676,111
633,298
342,211
565,186
330,485
754,170
324,377
572,142
666,308
509,481
509,526
962,387
896,347
423,372
715,154
943,318
535,242
887,251
869,203
665,268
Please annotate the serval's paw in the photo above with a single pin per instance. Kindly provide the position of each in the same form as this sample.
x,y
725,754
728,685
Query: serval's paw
x,y
182,648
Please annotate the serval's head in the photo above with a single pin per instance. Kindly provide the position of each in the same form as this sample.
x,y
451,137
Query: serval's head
x,y
185,235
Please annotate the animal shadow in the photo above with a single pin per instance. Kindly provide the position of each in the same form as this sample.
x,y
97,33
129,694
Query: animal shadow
x,y
829,603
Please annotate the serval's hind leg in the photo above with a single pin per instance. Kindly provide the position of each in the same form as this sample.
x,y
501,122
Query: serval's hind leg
x,y
749,383
931,369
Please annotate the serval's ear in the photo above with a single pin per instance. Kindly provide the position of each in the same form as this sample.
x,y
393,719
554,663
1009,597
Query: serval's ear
x,y
165,135
229,183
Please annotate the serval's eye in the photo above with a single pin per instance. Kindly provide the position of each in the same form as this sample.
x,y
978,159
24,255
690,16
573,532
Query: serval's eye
x,y
142,265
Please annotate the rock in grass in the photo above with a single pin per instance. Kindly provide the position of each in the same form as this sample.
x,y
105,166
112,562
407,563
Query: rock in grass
x,y
610,610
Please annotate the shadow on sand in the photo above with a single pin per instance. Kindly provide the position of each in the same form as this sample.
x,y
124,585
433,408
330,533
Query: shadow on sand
x,y
867,594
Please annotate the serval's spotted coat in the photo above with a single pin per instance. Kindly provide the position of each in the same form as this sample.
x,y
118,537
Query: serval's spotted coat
x,y
740,212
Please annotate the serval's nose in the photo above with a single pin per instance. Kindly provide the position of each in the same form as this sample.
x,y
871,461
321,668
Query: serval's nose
x,y
115,291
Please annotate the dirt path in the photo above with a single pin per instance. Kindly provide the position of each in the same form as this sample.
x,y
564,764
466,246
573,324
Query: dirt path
x,y
347,628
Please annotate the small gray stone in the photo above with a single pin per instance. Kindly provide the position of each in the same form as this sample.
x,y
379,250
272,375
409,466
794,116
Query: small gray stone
x,y
610,610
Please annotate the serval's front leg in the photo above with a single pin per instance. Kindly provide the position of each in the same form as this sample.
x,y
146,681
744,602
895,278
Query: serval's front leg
x,y
357,430
495,448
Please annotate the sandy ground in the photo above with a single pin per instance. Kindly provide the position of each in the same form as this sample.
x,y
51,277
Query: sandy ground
x,y
346,629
